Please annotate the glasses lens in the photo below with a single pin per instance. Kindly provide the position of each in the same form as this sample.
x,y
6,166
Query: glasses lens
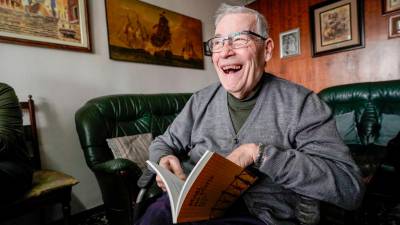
x,y
235,40
216,44
240,40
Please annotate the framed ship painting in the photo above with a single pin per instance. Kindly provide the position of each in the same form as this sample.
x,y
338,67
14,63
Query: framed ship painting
x,y
60,24
144,33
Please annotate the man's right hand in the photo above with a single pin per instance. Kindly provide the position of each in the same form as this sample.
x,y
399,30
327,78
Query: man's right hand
x,y
171,163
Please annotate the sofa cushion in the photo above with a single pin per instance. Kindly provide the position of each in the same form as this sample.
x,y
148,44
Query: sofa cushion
x,y
390,126
134,148
347,128
47,180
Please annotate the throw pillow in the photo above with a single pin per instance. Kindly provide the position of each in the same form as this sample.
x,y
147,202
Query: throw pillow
x,y
134,148
390,126
347,128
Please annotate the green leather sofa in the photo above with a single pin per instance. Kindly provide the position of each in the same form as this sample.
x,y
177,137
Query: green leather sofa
x,y
370,115
120,115
114,116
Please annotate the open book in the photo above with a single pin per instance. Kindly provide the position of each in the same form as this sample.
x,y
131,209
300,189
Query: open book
x,y
210,189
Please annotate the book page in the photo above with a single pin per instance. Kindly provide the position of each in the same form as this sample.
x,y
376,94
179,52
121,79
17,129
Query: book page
x,y
192,177
218,184
172,182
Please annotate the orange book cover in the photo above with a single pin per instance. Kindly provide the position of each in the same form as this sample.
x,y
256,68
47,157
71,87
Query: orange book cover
x,y
214,184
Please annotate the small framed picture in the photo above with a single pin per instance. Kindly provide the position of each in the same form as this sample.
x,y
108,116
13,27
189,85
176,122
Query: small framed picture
x,y
394,26
337,26
290,43
389,6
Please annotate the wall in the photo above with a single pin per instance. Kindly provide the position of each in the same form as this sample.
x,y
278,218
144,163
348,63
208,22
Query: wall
x,y
379,60
62,81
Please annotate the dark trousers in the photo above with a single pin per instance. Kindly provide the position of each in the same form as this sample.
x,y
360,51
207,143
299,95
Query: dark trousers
x,y
15,179
159,213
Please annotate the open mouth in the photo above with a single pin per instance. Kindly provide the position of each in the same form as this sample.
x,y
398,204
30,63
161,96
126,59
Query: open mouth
x,y
229,69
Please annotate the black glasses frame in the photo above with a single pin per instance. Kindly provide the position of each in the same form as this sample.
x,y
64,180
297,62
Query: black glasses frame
x,y
209,45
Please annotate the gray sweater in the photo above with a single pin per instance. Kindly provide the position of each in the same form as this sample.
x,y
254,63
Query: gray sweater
x,y
303,155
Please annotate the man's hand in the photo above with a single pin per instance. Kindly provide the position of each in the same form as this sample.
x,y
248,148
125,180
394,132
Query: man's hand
x,y
244,155
171,163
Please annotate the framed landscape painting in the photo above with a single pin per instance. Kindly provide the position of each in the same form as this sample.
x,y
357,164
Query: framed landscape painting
x,y
337,26
144,33
60,24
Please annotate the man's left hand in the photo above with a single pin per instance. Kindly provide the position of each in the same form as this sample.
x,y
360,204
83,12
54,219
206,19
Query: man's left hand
x,y
244,155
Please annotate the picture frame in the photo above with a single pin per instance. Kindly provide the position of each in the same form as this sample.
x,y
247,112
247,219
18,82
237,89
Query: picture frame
x,y
394,26
389,6
144,33
289,43
337,26
49,23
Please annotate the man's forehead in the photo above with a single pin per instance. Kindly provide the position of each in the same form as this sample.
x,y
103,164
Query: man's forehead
x,y
235,22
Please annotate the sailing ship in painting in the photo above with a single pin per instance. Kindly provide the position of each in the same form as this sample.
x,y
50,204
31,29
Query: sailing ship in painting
x,y
156,39
54,19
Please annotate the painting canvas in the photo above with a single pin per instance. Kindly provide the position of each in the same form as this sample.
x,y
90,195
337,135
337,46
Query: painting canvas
x,y
337,26
290,43
48,23
140,32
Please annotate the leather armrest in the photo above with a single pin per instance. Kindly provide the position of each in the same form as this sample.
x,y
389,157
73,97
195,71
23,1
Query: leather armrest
x,y
117,180
117,166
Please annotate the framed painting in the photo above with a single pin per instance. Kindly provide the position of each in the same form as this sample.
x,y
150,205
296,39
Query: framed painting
x,y
62,24
144,33
336,26
394,26
289,43
389,6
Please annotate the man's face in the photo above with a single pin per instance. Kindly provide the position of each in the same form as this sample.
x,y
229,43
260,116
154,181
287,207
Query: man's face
x,y
239,70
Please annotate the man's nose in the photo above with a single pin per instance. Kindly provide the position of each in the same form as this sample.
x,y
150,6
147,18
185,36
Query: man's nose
x,y
227,49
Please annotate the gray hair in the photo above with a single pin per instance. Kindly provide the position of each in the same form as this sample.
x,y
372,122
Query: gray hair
x,y
261,22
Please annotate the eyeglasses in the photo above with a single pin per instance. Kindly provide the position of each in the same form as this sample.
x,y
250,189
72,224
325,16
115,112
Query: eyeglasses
x,y
235,40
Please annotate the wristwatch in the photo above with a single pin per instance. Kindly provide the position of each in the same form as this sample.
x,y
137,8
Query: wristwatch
x,y
260,157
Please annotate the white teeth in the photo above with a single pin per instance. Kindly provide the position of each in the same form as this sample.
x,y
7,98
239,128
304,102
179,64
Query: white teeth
x,y
233,67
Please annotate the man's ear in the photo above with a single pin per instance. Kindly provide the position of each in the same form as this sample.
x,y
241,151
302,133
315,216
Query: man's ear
x,y
269,46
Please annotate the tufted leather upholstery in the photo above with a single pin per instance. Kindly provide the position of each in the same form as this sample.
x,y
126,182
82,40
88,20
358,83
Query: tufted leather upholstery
x,y
114,116
369,101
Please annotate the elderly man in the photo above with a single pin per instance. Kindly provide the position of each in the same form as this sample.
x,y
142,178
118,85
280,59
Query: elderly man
x,y
256,119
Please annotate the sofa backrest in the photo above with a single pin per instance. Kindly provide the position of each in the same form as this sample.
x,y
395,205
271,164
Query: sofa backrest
x,y
123,115
375,106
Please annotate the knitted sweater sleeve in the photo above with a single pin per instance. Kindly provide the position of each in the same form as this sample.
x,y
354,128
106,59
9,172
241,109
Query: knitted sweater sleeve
x,y
319,166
